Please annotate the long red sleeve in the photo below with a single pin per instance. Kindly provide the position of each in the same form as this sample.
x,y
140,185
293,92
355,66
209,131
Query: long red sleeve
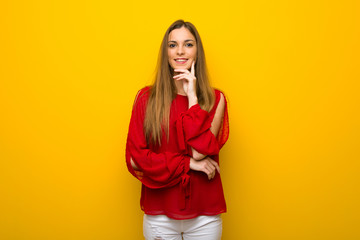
x,y
169,187
157,170
194,125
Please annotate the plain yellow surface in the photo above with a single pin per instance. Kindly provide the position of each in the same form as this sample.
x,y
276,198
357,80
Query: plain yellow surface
x,y
70,70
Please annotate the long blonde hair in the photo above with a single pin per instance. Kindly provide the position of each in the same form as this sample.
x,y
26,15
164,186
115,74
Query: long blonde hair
x,y
164,91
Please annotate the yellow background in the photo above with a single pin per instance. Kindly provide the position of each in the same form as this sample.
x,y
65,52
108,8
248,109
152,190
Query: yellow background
x,y
69,72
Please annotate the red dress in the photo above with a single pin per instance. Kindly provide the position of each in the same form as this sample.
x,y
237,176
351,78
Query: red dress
x,y
169,186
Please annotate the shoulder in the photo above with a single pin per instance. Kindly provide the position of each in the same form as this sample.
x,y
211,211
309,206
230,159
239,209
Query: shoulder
x,y
219,95
143,94
144,91
142,97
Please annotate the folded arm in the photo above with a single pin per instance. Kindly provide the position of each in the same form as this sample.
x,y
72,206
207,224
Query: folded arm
x,y
155,170
215,125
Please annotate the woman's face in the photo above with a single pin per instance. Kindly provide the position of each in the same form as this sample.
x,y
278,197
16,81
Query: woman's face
x,y
181,48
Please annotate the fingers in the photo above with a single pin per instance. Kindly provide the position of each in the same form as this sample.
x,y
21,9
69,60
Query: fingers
x,y
212,167
216,165
213,175
185,71
187,76
180,76
207,165
183,76
193,68
210,170
213,172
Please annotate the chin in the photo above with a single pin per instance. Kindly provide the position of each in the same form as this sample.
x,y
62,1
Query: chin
x,y
181,66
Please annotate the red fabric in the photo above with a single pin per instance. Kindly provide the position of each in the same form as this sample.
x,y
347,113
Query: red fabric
x,y
168,185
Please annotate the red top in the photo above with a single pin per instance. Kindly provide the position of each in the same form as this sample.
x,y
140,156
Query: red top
x,y
168,185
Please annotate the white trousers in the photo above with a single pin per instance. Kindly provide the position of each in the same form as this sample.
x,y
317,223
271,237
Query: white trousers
x,y
161,227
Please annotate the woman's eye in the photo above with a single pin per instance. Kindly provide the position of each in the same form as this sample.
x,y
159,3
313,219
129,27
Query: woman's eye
x,y
189,44
172,45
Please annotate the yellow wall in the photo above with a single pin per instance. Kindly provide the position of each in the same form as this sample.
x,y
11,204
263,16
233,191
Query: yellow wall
x,y
69,73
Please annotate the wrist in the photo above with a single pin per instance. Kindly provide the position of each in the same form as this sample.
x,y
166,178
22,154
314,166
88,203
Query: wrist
x,y
192,162
192,101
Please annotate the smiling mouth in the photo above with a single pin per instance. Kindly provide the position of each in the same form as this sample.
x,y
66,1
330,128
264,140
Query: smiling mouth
x,y
181,60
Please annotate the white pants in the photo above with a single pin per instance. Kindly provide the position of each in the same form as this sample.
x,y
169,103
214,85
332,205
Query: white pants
x,y
161,227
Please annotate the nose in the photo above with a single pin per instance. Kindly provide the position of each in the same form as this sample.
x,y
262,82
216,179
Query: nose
x,y
180,50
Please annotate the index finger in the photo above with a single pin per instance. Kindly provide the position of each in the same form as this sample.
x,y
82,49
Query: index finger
x,y
193,68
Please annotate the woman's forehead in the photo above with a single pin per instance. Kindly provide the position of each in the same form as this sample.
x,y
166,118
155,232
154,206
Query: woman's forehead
x,y
180,34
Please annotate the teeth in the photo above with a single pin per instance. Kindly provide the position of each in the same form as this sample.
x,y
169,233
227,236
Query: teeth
x,y
181,60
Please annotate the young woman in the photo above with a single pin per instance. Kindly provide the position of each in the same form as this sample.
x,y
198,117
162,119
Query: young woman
x,y
177,128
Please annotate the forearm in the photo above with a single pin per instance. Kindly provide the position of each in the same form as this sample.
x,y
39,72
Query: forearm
x,y
196,155
200,145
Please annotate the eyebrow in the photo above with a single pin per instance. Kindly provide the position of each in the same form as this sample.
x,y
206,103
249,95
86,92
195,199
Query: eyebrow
x,y
187,40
